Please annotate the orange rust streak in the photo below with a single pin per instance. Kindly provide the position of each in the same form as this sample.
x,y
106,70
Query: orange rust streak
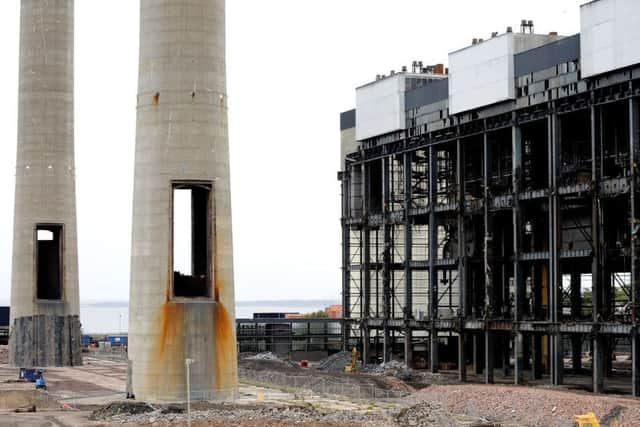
x,y
225,347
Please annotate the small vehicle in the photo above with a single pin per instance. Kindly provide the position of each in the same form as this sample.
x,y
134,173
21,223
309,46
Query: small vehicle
x,y
587,420
41,384
355,355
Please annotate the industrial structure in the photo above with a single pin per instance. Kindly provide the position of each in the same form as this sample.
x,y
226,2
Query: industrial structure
x,y
180,309
45,325
490,211
296,338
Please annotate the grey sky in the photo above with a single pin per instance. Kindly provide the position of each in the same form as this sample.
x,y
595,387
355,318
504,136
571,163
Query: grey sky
x,y
292,67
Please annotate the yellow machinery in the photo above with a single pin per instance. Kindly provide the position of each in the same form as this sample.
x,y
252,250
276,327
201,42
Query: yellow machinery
x,y
355,355
587,420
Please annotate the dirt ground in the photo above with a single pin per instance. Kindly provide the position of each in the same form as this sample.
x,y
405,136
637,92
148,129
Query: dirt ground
x,y
89,395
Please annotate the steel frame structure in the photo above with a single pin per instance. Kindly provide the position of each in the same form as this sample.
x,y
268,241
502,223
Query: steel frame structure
x,y
472,239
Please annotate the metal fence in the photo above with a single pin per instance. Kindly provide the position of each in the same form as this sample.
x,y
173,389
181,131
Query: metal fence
x,y
319,385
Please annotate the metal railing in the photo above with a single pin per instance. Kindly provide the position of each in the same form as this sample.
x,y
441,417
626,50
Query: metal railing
x,y
319,385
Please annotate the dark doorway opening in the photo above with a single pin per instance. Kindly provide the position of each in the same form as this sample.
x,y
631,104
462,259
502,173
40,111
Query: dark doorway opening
x,y
191,240
49,262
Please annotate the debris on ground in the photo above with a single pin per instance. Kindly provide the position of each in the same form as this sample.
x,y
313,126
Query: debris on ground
x,y
335,363
428,414
4,354
265,356
259,416
392,369
121,408
531,406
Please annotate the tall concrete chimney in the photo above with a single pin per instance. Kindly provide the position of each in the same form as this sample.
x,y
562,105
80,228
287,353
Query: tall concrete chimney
x,y
182,296
45,325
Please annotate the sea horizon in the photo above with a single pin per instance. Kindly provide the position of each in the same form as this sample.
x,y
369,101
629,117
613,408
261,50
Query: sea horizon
x,y
112,317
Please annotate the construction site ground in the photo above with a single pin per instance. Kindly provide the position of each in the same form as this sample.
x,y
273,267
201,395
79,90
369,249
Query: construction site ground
x,y
94,395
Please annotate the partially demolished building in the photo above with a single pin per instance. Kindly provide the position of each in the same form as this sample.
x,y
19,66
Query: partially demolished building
x,y
490,211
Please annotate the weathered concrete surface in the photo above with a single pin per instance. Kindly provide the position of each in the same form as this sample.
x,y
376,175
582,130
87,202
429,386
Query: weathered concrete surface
x,y
181,135
45,177
37,348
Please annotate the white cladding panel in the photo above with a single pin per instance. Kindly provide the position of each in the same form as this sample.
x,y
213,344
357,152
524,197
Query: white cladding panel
x,y
380,107
610,35
484,74
481,74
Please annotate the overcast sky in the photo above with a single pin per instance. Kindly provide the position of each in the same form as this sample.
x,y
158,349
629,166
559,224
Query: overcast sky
x,y
292,68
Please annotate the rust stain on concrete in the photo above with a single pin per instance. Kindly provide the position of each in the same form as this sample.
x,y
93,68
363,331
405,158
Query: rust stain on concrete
x,y
225,349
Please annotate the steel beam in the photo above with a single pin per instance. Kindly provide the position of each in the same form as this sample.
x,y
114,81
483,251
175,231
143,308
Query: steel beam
x,y
408,256
366,267
433,255
555,240
635,227
386,260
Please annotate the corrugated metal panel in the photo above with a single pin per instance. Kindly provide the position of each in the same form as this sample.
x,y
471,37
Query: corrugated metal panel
x,y
547,56
348,119
432,92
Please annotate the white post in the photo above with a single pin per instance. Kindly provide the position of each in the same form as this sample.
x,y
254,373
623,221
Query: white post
x,y
187,364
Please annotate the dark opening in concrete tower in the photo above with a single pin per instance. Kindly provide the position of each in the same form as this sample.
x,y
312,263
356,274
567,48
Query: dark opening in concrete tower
x,y
45,326
182,297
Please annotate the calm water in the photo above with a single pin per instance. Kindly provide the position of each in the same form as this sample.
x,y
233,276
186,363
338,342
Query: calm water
x,y
102,318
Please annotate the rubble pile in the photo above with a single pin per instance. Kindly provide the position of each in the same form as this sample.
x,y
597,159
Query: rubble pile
x,y
265,356
258,416
392,369
121,409
4,354
335,363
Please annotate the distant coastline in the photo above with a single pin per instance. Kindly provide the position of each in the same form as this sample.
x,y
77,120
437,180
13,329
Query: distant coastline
x,y
302,303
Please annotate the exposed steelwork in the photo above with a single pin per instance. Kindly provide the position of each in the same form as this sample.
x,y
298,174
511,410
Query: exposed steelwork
x,y
45,325
182,312
503,236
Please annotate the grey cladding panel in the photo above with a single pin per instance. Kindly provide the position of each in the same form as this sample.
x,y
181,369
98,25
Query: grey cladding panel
x,y
348,120
547,56
435,91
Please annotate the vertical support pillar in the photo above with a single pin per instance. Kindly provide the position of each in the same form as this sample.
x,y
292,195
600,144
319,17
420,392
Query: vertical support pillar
x,y
478,364
488,256
576,311
462,362
386,260
518,271
346,260
366,267
536,355
408,257
555,236
596,263
433,254
488,356
462,263
634,132
518,350
598,363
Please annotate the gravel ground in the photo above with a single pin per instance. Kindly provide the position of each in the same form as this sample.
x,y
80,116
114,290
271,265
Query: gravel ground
x,y
527,406
4,354
256,416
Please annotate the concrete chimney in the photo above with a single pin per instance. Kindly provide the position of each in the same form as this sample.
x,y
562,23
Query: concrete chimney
x,y
182,293
45,325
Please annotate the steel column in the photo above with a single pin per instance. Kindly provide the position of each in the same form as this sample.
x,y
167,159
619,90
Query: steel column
x,y
366,267
635,228
386,260
555,236
408,256
433,254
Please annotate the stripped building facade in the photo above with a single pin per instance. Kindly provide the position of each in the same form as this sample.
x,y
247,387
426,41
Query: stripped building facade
x,y
490,214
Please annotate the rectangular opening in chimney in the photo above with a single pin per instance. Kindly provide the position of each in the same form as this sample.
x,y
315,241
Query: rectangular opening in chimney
x,y
191,237
49,261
